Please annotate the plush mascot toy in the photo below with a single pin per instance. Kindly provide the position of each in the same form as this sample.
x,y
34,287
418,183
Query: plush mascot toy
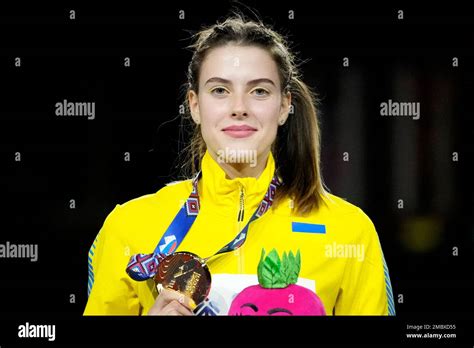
x,y
277,292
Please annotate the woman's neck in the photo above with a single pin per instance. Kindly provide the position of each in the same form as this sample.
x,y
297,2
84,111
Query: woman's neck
x,y
242,170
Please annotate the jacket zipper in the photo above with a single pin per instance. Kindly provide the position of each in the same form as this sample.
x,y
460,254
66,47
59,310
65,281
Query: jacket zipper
x,y
240,219
240,216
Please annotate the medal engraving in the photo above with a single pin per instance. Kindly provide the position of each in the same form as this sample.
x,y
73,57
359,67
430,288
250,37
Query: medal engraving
x,y
186,273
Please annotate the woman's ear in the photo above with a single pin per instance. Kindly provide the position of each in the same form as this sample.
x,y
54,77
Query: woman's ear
x,y
194,106
285,108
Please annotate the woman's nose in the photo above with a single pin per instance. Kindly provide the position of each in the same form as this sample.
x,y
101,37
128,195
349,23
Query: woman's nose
x,y
238,108
239,114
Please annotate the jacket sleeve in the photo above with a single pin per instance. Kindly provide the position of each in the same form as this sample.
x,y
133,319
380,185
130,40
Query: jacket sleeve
x,y
110,290
366,287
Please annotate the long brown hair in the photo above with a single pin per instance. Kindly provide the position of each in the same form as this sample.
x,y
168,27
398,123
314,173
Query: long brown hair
x,y
297,145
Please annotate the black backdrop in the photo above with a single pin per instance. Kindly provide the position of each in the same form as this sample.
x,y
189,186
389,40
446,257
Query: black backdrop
x,y
391,158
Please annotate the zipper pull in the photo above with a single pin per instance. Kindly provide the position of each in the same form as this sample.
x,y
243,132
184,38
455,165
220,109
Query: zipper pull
x,y
240,216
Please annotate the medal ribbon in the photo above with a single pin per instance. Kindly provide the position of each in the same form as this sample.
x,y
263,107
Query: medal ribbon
x,y
144,266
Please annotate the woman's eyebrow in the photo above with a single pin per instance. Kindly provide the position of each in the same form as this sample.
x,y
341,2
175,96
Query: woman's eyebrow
x,y
262,80
218,79
250,83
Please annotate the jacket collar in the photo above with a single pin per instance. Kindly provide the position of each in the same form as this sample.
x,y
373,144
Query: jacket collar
x,y
224,192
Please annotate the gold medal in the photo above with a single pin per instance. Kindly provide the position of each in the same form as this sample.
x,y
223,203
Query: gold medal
x,y
186,273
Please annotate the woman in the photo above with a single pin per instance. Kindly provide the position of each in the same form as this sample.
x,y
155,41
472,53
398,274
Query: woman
x,y
255,147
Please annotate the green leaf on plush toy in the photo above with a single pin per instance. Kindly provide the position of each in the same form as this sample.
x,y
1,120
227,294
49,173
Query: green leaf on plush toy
x,y
272,276
294,267
274,273
285,267
260,266
269,270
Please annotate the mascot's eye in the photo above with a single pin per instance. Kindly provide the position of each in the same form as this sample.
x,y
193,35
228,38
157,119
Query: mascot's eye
x,y
279,311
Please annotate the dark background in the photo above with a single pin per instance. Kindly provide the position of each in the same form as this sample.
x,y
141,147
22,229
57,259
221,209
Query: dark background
x,y
391,158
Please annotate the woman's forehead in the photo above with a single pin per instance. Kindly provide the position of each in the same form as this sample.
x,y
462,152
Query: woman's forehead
x,y
239,64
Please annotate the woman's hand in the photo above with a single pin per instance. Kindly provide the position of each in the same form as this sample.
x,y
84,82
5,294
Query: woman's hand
x,y
170,302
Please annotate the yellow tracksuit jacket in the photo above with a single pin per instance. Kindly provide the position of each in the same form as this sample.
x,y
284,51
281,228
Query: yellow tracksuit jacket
x,y
341,256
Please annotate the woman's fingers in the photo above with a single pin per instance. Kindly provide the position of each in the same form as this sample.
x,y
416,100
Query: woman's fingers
x,y
170,302
168,295
176,308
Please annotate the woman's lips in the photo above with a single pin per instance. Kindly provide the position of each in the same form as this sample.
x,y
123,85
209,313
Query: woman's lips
x,y
239,131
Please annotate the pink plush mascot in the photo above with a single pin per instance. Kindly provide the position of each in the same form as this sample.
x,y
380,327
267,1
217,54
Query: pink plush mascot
x,y
277,292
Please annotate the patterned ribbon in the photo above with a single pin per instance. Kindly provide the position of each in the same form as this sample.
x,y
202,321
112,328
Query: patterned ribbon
x,y
144,266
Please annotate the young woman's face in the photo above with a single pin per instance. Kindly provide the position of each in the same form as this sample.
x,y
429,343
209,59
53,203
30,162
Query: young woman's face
x,y
240,104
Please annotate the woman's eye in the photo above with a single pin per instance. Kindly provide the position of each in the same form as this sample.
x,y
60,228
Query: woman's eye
x,y
219,91
260,92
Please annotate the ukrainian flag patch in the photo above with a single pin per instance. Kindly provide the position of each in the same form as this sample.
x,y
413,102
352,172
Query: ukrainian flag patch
x,y
308,228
